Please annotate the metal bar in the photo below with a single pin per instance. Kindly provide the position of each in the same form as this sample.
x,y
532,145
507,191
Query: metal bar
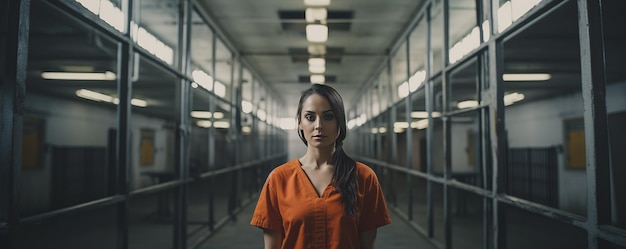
x,y
13,65
409,132
104,202
593,80
429,132
447,136
182,138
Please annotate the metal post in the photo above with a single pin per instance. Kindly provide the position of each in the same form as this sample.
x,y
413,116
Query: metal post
x,y
429,131
182,141
447,172
13,56
593,70
496,127
409,133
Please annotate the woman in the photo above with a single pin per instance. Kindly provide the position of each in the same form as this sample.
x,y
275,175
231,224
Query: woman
x,y
323,199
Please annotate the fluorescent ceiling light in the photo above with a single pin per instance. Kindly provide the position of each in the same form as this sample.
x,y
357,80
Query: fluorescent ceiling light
x,y
95,96
317,79
101,97
205,114
317,62
208,124
511,98
316,15
139,102
467,104
261,114
246,106
246,129
78,76
316,2
317,69
316,33
423,114
527,77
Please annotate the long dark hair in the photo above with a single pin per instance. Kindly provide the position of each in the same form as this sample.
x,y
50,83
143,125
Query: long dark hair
x,y
344,178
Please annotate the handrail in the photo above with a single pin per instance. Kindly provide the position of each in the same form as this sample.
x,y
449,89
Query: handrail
x,y
112,200
543,210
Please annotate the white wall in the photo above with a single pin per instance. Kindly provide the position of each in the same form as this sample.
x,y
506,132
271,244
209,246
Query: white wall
x,y
541,124
72,123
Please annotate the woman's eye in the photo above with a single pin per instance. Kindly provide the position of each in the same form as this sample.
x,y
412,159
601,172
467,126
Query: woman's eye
x,y
329,117
309,117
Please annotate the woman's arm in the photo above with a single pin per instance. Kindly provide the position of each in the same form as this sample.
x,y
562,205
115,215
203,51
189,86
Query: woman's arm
x,y
272,239
367,239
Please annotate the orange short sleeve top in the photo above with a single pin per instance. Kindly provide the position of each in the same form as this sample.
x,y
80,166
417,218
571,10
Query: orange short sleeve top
x,y
289,203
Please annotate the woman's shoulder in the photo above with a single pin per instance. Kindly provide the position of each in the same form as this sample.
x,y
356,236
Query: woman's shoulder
x,y
364,171
286,168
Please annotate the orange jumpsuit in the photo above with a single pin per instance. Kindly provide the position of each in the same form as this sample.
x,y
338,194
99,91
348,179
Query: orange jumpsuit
x,y
289,203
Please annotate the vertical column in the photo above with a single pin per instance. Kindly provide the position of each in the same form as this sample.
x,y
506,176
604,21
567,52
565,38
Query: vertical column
x,y
409,132
429,131
13,55
182,141
596,126
447,165
495,99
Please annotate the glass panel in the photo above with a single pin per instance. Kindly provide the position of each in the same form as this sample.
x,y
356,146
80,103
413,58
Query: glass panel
x,y
156,28
385,90
70,122
153,125
467,220
197,210
544,116
465,147
200,128
224,150
528,230
399,73
400,127
463,87
438,221
223,70
420,198
437,139
609,245
615,102
109,11
464,34
201,53
510,11
418,56
151,221
436,38
418,124
88,229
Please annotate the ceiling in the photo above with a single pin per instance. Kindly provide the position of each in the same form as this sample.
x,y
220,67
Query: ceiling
x,y
270,35
359,42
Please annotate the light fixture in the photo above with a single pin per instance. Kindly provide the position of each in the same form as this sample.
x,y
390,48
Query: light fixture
x,y
317,62
526,77
101,97
423,114
316,2
316,15
511,98
317,69
95,96
78,76
316,32
467,104
205,114
317,79
246,106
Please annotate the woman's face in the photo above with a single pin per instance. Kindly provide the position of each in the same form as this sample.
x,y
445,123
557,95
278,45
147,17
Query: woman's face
x,y
318,122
